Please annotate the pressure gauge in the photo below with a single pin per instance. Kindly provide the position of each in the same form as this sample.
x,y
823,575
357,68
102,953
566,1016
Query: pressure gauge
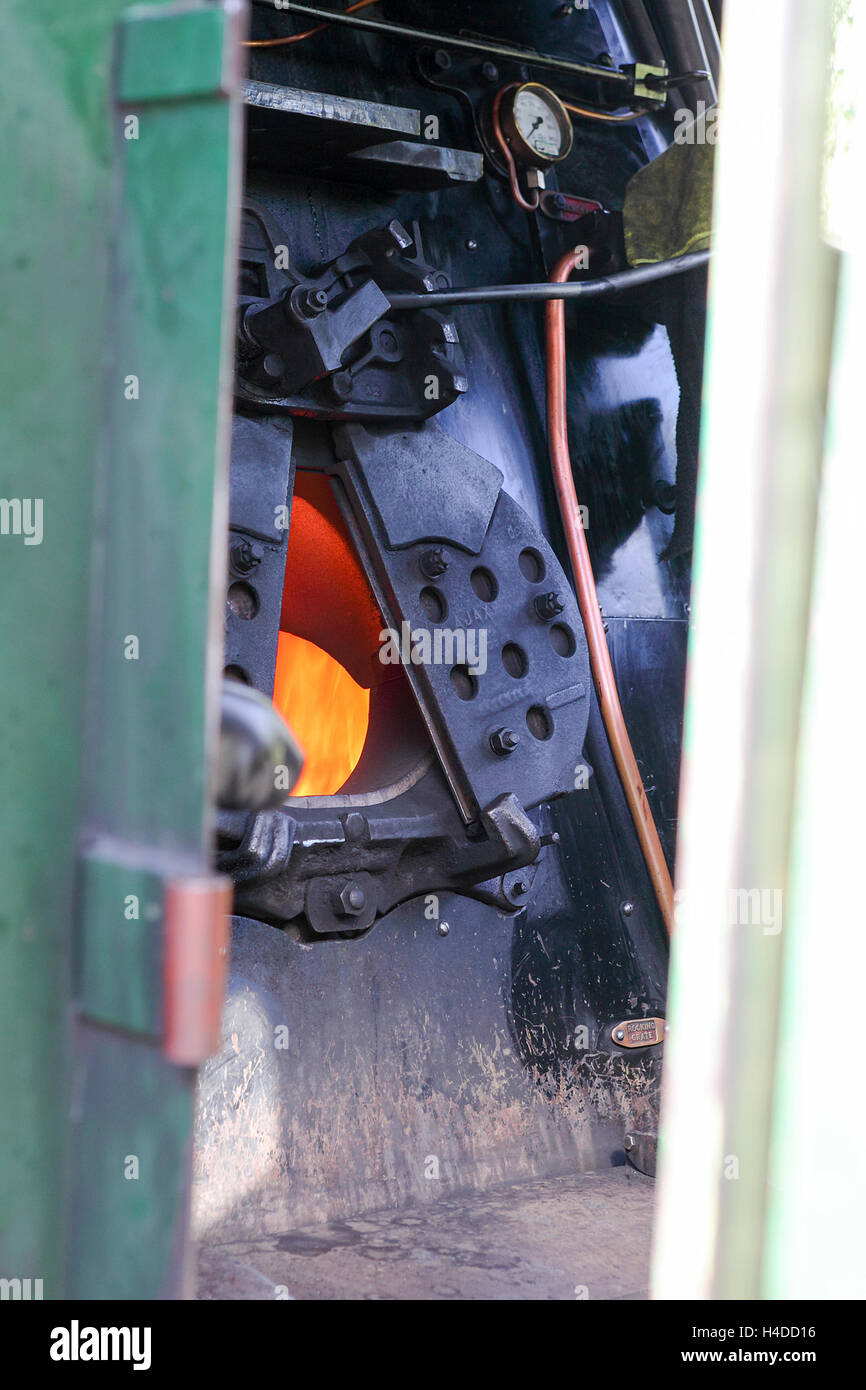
x,y
536,125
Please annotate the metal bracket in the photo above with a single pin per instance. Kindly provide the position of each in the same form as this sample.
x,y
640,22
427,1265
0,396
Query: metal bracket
x,y
177,52
153,949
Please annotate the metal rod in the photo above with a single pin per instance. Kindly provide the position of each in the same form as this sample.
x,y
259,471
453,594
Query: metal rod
x,y
710,33
707,61
684,48
489,48
579,289
641,32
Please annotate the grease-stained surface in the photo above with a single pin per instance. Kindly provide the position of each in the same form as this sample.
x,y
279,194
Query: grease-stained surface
x,y
586,1236
395,1071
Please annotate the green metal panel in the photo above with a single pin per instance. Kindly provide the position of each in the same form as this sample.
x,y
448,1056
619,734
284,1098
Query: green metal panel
x,y
56,169
119,263
120,967
157,482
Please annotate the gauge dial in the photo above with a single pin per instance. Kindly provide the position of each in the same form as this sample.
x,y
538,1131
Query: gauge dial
x,y
537,125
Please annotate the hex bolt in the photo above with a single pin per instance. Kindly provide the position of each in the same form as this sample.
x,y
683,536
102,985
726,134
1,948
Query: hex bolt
x,y
245,555
628,1142
341,385
442,929
548,606
442,59
313,302
489,71
504,741
520,888
627,909
352,900
354,825
305,302
434,562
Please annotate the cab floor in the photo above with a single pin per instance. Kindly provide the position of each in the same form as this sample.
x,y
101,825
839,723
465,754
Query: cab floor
x,y
585,1236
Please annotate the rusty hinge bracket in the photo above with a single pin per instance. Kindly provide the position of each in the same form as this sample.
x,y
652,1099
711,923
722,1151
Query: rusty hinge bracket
x,y
153,949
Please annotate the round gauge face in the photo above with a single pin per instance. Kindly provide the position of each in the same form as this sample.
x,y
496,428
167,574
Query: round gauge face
x,y
539,122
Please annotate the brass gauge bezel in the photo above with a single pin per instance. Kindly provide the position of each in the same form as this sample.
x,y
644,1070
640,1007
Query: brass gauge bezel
x,y
520,147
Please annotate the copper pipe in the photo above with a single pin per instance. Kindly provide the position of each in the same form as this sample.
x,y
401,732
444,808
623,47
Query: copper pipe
x,y
307,34
528,205
591,115
587,598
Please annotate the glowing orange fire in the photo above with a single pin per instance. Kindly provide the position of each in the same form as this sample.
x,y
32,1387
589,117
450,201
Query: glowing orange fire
x,y
325,709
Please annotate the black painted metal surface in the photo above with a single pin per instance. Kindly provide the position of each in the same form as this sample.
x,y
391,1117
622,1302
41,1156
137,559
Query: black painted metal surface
x,y
376,1075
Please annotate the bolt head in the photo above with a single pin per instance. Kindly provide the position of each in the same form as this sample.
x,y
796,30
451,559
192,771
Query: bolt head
x,y
306,302
354,825
504,741
627,909
619,1034
341,385
434,562
245,555
628,1142
442,929
549,606
353,899
315,302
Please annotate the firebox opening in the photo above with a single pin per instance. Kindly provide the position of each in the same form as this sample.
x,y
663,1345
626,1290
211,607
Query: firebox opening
x,y
327,710
354,718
